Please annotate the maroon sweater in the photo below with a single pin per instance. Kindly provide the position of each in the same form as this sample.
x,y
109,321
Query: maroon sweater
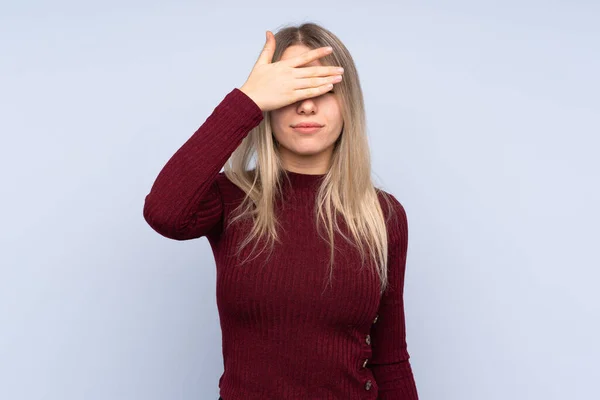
x,y
286,332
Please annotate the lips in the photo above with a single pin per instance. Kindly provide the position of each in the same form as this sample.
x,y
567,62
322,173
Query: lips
x,y
307,125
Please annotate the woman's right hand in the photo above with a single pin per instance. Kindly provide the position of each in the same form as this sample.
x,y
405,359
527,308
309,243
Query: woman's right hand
x,y
274,85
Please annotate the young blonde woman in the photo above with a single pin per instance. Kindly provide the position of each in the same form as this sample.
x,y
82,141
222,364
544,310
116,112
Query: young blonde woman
x,y
310,256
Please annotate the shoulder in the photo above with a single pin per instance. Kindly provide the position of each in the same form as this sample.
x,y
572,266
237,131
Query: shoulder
x,y
230,192
395,216
391,206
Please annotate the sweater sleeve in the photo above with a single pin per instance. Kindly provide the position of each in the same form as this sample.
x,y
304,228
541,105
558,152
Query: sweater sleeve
x,y
390,359
185,201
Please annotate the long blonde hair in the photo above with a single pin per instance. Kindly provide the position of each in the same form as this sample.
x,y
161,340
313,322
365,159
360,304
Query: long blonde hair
x,y
346,190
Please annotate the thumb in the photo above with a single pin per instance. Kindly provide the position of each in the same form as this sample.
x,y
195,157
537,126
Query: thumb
x,y
266,56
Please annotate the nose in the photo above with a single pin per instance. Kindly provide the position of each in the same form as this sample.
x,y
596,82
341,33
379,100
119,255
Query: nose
x,y
307,106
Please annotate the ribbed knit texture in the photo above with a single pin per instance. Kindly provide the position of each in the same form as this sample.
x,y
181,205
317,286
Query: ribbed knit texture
x,y
287,333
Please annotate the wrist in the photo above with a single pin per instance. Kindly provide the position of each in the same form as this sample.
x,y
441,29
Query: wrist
x,y
248,93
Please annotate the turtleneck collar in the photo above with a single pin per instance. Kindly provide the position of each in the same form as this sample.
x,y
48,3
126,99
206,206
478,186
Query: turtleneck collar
x,y
303,181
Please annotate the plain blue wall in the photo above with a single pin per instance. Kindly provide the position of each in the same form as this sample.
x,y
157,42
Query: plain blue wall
x,y
483,121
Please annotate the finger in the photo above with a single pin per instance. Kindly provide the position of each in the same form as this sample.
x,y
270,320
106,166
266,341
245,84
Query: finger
x,y
302,94
266,56
307,57
316,82
306,72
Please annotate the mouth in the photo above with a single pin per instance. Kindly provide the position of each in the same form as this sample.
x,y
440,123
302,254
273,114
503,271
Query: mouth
x,y
301,128
307,125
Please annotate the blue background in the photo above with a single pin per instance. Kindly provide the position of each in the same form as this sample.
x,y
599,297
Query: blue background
x,y
483,118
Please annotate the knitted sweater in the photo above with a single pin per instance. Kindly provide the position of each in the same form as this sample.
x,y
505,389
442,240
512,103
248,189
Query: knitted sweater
x,y
287,331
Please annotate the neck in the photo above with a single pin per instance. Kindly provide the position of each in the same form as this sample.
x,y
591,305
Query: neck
x,y
300,180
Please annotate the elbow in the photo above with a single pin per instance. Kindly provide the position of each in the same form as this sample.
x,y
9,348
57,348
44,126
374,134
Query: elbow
x,y
176,226
160,221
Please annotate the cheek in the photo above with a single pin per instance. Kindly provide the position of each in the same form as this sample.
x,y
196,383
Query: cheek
x,y
335,119
334,112
278,117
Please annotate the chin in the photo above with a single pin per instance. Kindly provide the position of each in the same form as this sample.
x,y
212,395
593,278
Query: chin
x,y
305,150
308,151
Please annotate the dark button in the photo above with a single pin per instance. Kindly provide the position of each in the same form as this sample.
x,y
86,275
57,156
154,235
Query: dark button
x,y
365,363
368,385
368,339
376,317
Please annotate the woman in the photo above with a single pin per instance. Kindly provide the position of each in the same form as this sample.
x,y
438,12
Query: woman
x,y
317,312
